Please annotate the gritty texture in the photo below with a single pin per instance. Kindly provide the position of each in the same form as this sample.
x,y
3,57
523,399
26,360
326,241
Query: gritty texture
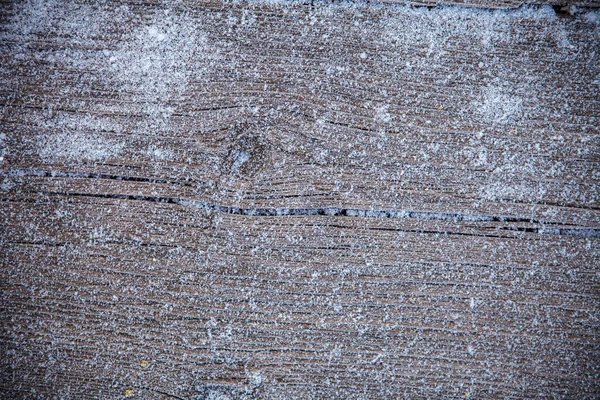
x,y
278,200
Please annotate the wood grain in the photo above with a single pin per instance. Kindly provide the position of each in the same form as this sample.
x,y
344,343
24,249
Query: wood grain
x,y
212,200
560,5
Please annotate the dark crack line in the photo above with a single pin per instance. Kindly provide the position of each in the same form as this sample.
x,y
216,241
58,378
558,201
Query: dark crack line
x,y
87,175
348,212
196,184
173,396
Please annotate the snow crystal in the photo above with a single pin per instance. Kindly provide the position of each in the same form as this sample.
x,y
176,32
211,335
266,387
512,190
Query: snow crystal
x,y
6,185
159,154
3,147
382,114
241,158
214,395
592,17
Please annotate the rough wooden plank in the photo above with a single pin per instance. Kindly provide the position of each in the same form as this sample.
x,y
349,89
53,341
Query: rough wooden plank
x,y
566,6
262,200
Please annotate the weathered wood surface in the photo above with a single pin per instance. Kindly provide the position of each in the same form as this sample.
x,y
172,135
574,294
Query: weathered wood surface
x,y
566,6
233,200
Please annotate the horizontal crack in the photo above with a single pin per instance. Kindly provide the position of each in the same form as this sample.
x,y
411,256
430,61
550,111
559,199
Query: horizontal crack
x,y
348,212
88,175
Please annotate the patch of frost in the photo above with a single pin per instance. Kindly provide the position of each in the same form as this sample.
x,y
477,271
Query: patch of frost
x,y
78,139
497,106
158,61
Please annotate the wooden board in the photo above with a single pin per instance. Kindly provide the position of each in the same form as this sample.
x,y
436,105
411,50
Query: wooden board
x,y
562,6
283,200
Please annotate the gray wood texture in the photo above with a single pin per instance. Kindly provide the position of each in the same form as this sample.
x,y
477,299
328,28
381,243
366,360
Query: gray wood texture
x,y
205,200
566,6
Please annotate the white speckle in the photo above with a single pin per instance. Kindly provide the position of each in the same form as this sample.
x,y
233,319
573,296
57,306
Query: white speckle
x,y
241,158
159,154
3,146
592,17
6,185
255,378
377,358
153,32
382,114
214,395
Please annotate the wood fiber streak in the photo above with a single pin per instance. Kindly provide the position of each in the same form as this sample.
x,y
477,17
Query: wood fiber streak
x,y
277,200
